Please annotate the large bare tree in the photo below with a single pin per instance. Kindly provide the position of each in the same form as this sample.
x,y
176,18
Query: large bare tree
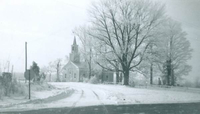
x,y
123,29
173,51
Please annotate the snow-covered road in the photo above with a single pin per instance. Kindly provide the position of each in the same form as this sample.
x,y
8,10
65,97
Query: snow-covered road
x,y
118,94
83,94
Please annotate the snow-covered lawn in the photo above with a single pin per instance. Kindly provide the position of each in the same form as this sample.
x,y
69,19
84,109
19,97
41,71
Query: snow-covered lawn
x,y
69,94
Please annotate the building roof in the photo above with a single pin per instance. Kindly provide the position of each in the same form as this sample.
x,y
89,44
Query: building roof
x,y
80,65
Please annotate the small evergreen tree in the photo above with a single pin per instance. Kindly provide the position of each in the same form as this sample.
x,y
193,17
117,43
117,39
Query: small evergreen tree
x,y
36,69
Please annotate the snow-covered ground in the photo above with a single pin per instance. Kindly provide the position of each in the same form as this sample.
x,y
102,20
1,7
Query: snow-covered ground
x,y
118,94
37,92
68,94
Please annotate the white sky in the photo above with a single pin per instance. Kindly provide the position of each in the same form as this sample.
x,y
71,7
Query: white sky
x,y
47,27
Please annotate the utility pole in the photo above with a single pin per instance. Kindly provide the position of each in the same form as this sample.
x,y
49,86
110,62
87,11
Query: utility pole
x,y
27,71
25,58
0,69
12,70
29,74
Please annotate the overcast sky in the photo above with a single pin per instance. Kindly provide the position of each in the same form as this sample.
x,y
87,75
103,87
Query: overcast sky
x,y
47,27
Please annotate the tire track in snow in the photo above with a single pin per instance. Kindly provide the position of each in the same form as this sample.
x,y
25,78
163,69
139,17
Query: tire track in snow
x,y
121,97
100,102
118,97
74,104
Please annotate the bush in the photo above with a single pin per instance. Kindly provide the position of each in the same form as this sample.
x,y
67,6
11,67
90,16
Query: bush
x,y
64,80
137,81
2,92
187,83
94,80
17,88
131,83
13,88
85,80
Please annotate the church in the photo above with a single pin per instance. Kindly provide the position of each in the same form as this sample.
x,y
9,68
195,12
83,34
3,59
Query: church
x,y
75,70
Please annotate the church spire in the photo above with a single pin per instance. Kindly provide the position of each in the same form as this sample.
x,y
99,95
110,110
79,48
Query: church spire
x,y
74,41
74,55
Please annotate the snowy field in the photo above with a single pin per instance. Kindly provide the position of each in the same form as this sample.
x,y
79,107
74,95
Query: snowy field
x,y
68,94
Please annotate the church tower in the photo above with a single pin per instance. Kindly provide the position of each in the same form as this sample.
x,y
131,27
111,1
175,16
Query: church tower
x,y
74,55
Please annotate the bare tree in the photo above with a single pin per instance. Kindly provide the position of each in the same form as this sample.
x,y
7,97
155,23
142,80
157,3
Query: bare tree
x,y
123,30
146,68
55,66
87,49
58,68
47,70
173,51
5,65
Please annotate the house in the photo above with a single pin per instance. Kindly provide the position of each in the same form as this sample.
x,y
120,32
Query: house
x,y
111,77
75,70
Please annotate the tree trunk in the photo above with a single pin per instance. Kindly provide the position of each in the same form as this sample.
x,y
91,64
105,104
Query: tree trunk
x,y
168,72
102,75
50,77
151,74
172,77
90,70
171,81
90,64
117,72
58,77
117,76
58,71
126,77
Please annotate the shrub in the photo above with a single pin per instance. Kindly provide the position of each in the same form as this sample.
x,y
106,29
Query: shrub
x,y
188,84
137,81
85,80
13,88
64,80
2,92
17,88
94,80
131,83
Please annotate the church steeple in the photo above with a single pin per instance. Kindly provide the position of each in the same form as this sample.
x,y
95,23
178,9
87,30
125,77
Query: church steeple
x,y
74,55
74,41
